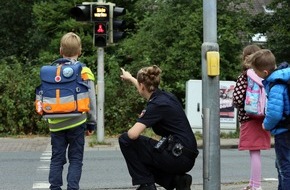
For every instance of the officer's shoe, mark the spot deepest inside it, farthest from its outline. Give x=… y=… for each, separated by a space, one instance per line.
x=183 y=182
x=147 y=186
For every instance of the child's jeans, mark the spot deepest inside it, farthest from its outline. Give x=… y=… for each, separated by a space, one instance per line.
x=73 y=140
x=282 y=148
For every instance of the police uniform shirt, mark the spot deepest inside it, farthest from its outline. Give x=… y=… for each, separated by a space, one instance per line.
x=165 y=115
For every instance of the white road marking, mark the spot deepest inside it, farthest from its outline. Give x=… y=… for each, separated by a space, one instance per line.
x=270 y=179
x=40 y=185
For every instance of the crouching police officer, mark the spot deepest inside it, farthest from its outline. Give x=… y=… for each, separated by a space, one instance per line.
x=166 y=161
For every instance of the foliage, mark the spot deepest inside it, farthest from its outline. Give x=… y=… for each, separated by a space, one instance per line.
x=122 y=103
x=168 y=33
x=276 y=27
x=17 y=83
x=15 y=22
x=233 y=35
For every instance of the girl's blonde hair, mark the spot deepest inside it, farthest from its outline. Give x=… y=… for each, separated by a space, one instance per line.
x=150 y=77
x=262 y=60
x=248 y=50
x=70 y=45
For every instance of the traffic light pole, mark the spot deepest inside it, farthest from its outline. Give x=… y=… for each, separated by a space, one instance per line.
x=210 y=98
x=101 y=95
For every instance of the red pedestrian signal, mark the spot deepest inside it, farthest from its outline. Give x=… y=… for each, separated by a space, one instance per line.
x=100 y=29
x=101 y=17
x=100 y=36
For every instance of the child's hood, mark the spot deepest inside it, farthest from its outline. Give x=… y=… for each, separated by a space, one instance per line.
x=280 y=74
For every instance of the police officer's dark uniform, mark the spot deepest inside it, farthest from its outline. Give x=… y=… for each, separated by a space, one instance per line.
x=148 y=164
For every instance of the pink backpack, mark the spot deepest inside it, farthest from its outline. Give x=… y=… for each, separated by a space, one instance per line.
x=255 y=100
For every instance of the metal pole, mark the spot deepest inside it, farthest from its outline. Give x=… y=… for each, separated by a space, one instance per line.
x=101 y=92
x=210 y=102
x=101 y=95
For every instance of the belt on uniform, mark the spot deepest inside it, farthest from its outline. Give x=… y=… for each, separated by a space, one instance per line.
x=178 y=150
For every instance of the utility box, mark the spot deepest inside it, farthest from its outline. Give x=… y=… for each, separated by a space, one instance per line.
x=193 y=105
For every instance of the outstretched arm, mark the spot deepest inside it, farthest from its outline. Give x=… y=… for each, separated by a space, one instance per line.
x=128 y=77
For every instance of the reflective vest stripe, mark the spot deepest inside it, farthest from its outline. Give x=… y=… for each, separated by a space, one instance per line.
x=57 y=125
x=87 y=74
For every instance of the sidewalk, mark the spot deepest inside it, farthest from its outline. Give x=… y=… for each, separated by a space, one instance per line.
x=112 y=143
x=42 y=143
x=9 y=144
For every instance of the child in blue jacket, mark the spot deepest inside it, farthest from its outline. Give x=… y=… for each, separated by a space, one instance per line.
x=278 y=107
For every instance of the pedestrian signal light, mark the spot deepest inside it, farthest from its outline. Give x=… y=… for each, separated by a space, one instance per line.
x=100 y=36
x=100 y=29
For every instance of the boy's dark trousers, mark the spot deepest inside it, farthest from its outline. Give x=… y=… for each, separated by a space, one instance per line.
x=282 y=148
x=147 y=165
x=72 y=140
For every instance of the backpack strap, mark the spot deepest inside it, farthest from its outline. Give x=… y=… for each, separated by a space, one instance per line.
x=64 y=60
x=251 y=73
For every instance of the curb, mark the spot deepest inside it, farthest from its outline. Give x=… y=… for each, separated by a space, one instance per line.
x=10 y=144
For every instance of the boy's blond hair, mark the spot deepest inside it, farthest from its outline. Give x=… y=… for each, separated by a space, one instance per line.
x=262 y=60
x=70 y=45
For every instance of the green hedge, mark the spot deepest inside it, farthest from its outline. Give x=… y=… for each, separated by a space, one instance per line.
x=17 y=84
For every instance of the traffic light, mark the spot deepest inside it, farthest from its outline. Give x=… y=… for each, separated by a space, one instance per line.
x=101 y=19
x=108 y=29
x=118 y=26
x=81 y=12
x=100 y=34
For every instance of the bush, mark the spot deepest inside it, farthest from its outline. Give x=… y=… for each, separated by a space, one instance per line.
x=17 y=84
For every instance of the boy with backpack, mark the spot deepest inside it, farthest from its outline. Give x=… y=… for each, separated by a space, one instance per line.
x=69 y=112
x=277 y=110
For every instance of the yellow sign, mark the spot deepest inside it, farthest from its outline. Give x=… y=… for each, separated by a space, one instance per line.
x=101 y=12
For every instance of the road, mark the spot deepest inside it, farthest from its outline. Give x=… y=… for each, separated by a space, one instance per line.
x=106 y=169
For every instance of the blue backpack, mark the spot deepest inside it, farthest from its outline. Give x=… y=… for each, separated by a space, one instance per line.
x=255 y=100
x=63 y=92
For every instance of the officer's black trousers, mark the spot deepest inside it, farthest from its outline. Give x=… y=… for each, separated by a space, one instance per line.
x=147 y=165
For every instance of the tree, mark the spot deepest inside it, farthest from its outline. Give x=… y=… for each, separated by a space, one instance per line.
x=276 y=27
x=168 y=33
x=15 y=22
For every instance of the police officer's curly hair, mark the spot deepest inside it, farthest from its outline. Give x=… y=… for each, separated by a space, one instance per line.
x=150 y=77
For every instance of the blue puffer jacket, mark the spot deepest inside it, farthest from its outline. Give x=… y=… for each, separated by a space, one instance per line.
x=278 y=100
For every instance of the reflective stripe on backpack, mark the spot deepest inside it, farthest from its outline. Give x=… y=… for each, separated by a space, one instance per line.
x=62 y=90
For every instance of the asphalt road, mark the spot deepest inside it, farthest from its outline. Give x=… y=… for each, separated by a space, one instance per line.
x=24 y=165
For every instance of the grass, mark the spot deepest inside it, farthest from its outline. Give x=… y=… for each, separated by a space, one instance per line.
x=93 y=141
x=223 y=135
